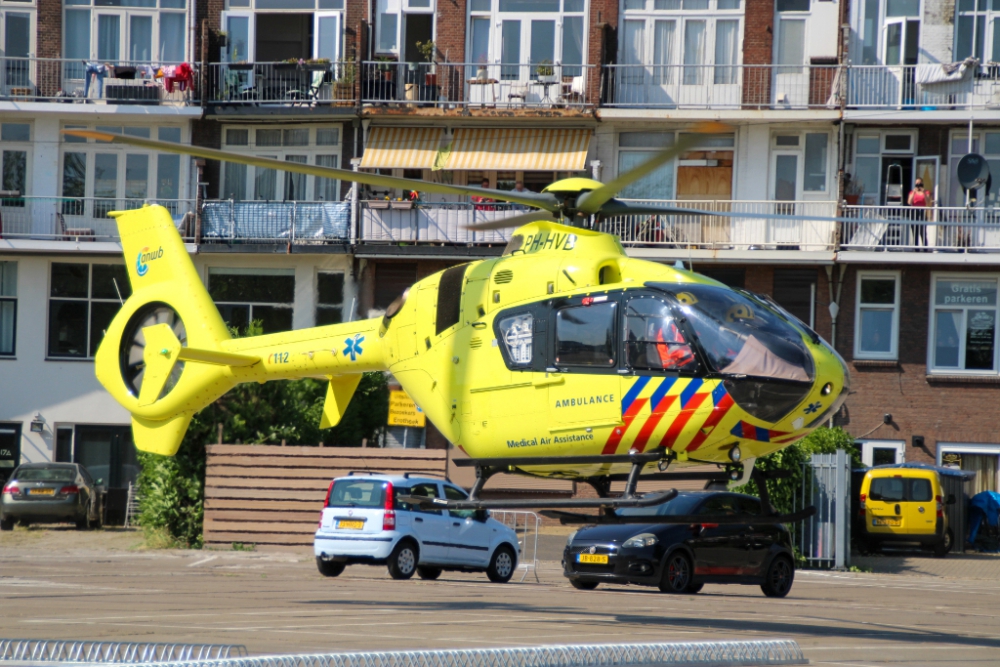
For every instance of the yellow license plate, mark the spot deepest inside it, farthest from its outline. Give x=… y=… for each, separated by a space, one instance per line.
x=592 y=559
x=887 y=522
x=41 y=492
x=351 y=525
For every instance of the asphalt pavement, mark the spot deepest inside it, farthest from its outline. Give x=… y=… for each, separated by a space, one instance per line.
x=276 y=602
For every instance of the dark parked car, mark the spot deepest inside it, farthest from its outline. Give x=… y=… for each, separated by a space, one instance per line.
x=681 y=558
x=50 y=493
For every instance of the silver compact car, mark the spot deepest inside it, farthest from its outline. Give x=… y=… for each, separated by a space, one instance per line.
x=50 y=493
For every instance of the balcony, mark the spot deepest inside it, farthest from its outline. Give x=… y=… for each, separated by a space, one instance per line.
x=299 y=223
x=299 y=84
x=919 y=88
x=721 y=86
x=407 y=222
x=938 y=230
x=80 y=218
x=478 y=86
x=73 y=81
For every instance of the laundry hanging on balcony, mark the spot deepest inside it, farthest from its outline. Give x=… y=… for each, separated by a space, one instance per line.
x=402 y=148
x=508 y=149
x=931 y=73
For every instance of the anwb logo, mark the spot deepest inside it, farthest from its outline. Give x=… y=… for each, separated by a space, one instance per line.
x=145 y=256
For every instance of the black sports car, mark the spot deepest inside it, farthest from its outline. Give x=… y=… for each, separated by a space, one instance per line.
x=681 y=558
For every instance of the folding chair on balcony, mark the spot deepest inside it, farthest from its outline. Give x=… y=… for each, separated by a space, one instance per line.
x=309 y=92
x=518 y=91
x=74 y=233
x=572 y=92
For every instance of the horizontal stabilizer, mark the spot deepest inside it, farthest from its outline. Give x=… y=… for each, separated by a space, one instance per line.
x=160 y=437
x=216 y=358
x=338 y=396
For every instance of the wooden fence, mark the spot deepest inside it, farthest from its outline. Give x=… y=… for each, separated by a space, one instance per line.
x=267 y=494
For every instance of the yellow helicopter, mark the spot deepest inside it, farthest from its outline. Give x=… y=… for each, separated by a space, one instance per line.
x=561 y=358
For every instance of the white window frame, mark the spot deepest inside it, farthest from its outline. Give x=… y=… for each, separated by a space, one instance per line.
x=125 y=14
x=881 y=134
x=680 y=17
x=931 y=337
x=496 y=18
x=23 y=146
x=251 y=16
x=27 y=8
x=89 y=300
x=11 y=299
x=955 y=196
x=858 y=45
x=868 y=448
x=312 y=151
x=893 y=353
x=400 y=8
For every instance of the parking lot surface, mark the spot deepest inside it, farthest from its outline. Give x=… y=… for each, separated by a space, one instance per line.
x=276 y=602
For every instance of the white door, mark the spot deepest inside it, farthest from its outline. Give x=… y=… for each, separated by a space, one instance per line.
x=469 y=537
x=900 y=37
x=109 y=37
x=882 y=452
x=786 y=186
x=431 y=527
x=326 y=36
x=928 y=169
x=16 y=36
x=631 y=82
x=240 y=39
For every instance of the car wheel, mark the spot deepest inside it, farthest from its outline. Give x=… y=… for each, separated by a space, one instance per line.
x=429 y=573
x=501 y=567
x=403 y=560
x=330 y=568
x=82 y=524
x=694 y=589
x=583 y=585
x=779 y=578
x=677 y=573
x=6 y=523
x=942 y=548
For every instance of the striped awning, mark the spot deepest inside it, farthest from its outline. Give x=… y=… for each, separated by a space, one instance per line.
x=401 y=148
x=506 y=149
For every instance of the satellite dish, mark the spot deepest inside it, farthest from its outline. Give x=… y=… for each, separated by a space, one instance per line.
x=973 y=171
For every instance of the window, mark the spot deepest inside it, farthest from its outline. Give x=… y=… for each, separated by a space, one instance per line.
x=15 y=139
x=303 y=144
x=516 y=333
x=247 y=295
x=791 y=45
x=401 y=24
x=800 y=164
x=17 y=36
x=986 y=144
x=585 y=335
x=795 y=291
x=8 y=308
x=451 y=493
x=527 y=36
x=876 y=322
x=83 y=299
x=357 y=493
x=134 y=31
x=653 y=338
x=874 y=152
x=963 y=325
x=634 y=148
x=330 y=298
x=426 y=490
x=882 y=452
x=885 y=34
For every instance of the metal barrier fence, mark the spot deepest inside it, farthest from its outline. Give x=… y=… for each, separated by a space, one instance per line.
x=289 y=221
x=488 y=85
x=526 y=525
x=114 y=82
x=722 y=86
x=81 y=218
x=289 y=83
x=942 y=229
x=40 y=650
x=825 y=538
x=923 y=87
x=443 y=222
x=717 y=654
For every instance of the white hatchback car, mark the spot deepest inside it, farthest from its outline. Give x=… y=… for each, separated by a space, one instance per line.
x=363 y=521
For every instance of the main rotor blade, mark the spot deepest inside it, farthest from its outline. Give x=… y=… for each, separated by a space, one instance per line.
x=591 y=202
x=514 y=221
x=545 y=201
x=620 y=209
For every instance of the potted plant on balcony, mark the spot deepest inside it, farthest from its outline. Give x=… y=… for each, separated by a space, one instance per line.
x=545 y=71
x=289 y=64
x=317 y=64
x=343 y=86
x=852 y=191
x=427 y=51
x=385 y=67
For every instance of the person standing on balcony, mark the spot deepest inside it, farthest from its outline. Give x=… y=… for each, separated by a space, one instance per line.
x=919 y=198
x=480 y=203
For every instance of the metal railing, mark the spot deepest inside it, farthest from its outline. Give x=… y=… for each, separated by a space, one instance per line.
x=501 y=86
x=824 y=540
x=81 y=218
x=728 y=233
x=115 y=82
x=722 y=86
x=445 y=222
x=525 y=525
x=285 y=83
x=938 y=229
x=922 y=87
x=41 y=650
x=266 y=222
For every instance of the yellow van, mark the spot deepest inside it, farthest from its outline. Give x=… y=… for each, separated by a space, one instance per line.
x=904 y=505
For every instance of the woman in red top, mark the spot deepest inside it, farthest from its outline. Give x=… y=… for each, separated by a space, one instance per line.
x=919 y=198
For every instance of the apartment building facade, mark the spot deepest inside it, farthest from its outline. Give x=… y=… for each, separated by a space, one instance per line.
x=825 y=120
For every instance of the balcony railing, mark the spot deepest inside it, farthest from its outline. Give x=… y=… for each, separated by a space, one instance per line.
x=920 y=88
x=283 y=83
x=123 y=82
x=488 y=86
x=937 y=229
x=722 y=86
x=408 y=222
x=80 y=218
x=225 y=221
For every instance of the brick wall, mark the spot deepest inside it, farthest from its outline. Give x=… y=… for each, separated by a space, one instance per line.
x=450 y=30
x=602 y=44
x=758 y=44
x=49 y=29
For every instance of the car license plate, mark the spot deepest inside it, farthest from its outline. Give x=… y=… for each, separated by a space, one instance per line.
x=41 y=492
x=592 y=559
x=887 y=522
x=350 y=524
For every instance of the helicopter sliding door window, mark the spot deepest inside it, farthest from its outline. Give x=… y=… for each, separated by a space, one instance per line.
x=517 y=334
x=248 y=295
x=8 y=308
x=876 y=319
x=83 y=299
x=653 y=339
x=963 y=325
x=585 y=334
x=449 y=298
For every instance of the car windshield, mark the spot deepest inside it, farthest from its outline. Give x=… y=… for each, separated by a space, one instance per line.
x=53 y=474
x=743 y=336
x=676 y=507
x=357 y=493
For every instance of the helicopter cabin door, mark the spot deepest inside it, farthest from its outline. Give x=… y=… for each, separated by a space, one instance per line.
x=586 y=357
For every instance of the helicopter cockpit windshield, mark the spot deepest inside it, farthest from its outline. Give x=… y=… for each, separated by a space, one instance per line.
x=742 y=336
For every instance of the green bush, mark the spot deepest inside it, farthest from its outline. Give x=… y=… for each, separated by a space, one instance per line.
x=783 y=492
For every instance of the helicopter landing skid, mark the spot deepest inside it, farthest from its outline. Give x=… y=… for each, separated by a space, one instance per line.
x=607 y=504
